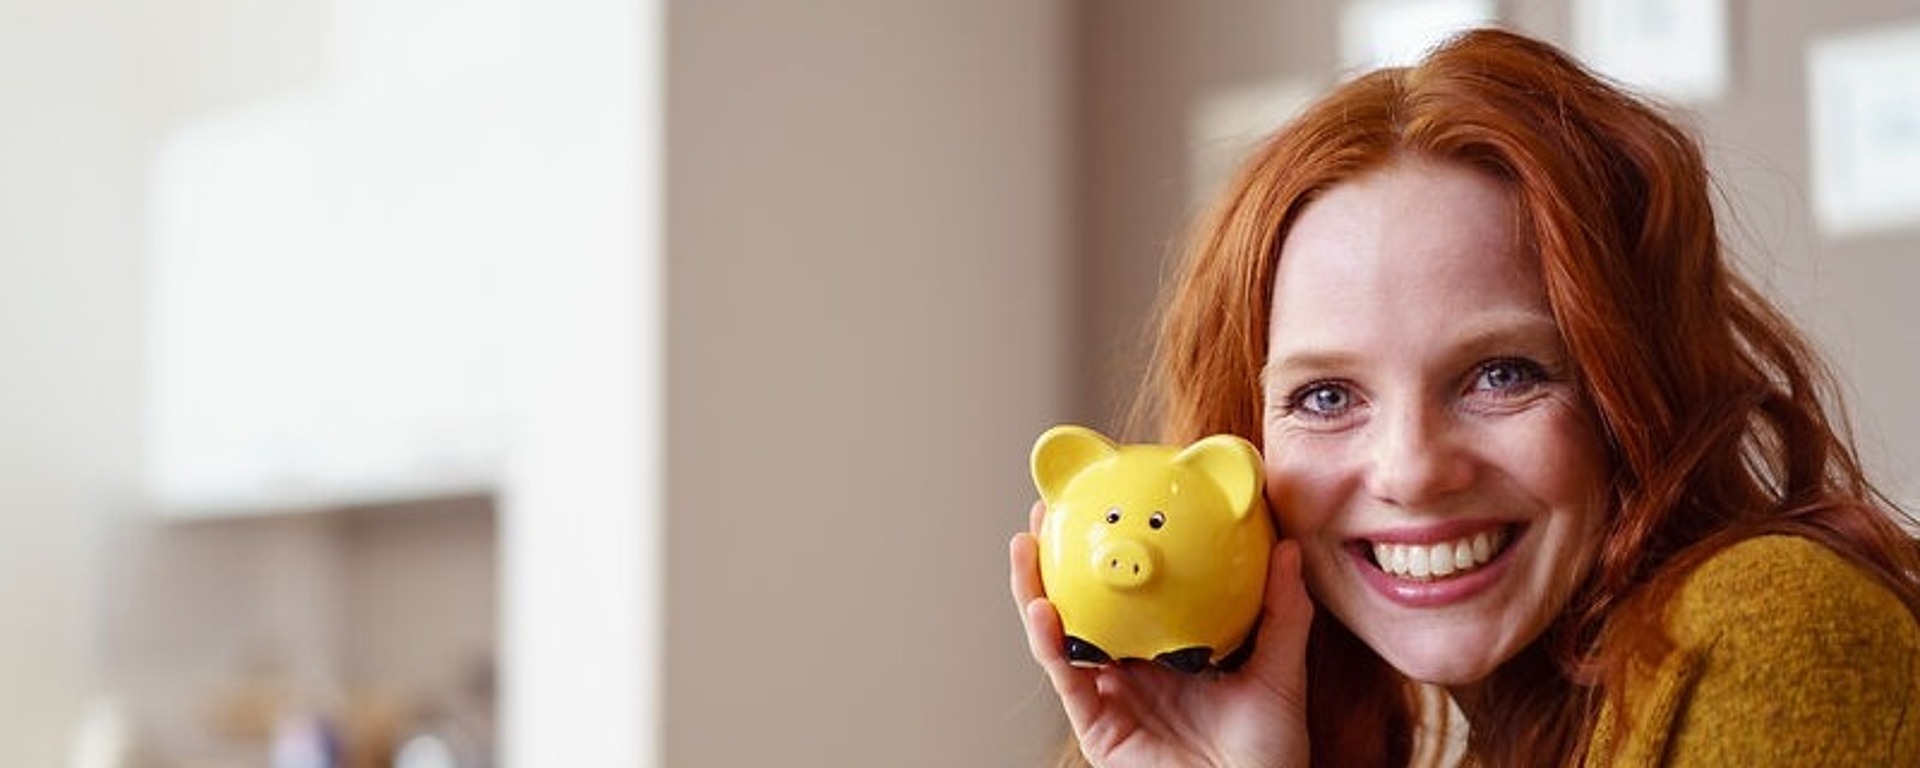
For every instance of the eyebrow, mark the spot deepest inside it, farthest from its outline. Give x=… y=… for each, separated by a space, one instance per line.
x=1484 y=334
x=1308 y=361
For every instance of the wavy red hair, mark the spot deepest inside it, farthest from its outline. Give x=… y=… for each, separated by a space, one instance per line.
x=1721 y=422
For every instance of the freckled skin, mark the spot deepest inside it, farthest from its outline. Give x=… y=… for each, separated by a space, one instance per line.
x=1417 y=390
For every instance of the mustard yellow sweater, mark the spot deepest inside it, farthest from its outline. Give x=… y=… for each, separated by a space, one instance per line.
x=1787 y=655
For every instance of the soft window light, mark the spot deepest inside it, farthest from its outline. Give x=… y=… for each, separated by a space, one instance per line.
x=435 y=270
x=1396 y=33
x=330 y=306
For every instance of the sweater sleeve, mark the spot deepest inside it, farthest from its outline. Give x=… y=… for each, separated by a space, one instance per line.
x=1790 y=656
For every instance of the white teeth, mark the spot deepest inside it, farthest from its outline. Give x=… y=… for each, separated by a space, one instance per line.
x=1424 y=562
x=1441 y=559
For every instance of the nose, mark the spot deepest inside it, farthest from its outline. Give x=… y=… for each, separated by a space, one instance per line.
x=1124 y=563
x=1419 y=455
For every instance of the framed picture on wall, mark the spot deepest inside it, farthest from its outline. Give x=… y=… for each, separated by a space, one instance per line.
x=1863 y=99
x=1388 y=33
x=1674 y=50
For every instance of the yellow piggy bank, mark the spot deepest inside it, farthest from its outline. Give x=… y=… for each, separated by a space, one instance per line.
x=1152 y=551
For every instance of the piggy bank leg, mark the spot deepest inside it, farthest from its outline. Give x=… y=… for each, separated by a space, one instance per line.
x=1081 y=653
x=1233 y=661
x=1188 y=660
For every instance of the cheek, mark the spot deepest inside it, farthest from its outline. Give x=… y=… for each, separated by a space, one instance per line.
x=1569 y=465
x=1301 y=494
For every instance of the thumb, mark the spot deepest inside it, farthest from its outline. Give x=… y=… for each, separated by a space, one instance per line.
x=1286 y=586
x=1280 y=652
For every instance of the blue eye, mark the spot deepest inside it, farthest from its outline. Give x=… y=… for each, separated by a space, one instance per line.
x=1321 y=400
x=1508 y=375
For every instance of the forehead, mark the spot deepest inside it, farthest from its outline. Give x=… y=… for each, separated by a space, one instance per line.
x=1417 y=240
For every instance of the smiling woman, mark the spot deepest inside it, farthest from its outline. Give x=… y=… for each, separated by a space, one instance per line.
x=1538 y=455
x=1417 y=403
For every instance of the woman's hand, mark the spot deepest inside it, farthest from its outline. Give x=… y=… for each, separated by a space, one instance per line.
x=1145 y=714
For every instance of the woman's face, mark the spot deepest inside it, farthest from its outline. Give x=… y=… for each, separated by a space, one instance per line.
x=1425 y=441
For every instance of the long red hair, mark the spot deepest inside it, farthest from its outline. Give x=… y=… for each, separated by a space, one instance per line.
x=1716 y=410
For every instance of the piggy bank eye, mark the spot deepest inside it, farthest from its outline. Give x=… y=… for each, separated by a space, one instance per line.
x=1113 y=516
x=1158 y=519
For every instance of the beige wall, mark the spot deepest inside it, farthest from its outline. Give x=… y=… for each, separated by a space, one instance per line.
x=1143 y=67
x=1856 y=294
x=866 y=244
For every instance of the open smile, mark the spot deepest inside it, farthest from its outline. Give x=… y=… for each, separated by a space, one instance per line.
x=1434 y=568
x=1441 y=559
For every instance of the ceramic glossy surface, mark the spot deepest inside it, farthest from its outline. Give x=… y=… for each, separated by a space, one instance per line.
x=1152 y=551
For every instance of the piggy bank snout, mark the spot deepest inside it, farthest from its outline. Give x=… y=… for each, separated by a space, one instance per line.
x=1124 y=563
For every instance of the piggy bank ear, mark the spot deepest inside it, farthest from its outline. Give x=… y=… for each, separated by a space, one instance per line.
x=1061 y=453
x=1231 y=462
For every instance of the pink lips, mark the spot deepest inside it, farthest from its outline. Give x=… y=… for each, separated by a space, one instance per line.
x=1430 y=593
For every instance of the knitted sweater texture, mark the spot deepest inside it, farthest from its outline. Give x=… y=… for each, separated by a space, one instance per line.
x=1786 y=655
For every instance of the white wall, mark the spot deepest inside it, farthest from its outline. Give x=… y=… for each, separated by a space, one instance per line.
x=68 y=387
x=867 y=234
x=82 y=87
x=99 y=596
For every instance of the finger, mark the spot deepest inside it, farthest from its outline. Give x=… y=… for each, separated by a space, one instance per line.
x=1046 y=638
x=1023 y=569
x=1035 y=515
x=1279 y=654
x=1286 y=582
x=1037 y=616
x=1077 y=688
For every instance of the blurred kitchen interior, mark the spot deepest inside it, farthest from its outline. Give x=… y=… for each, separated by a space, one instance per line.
x=612 y=382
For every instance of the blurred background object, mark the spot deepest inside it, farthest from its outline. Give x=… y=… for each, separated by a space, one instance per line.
x=609 y=382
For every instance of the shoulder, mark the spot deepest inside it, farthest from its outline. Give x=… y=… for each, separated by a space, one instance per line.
x=1765 y=585
x=1792 y=655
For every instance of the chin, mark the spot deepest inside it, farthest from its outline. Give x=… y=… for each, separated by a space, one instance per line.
x=1448 y=665
x=1452 y=677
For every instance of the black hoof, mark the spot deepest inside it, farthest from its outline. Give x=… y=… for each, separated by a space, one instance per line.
x=1081 y=653
x=1189 y=660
